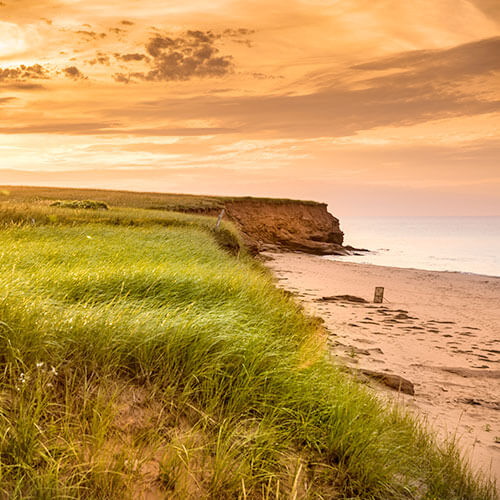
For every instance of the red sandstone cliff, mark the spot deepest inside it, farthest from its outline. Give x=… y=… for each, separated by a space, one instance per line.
x=291 y=225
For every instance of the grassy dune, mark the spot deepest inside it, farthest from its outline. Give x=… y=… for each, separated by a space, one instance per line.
x=137 y=356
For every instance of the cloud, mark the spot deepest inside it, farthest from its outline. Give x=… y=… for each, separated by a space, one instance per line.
x=100 y=58
x=90 y=35
x=23 y=73
x=240 y=35
x=127 y=23
x=23 y=86
x=121 y=78
x=132 y=57
x=102 y=128
x=469 y=59
x=117 y=31
x=490 y=7
x=4 y=100
x=421 y=86
x=194 y=54
x=74 y=73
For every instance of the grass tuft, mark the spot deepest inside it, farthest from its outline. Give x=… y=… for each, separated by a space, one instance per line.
x=81 y=204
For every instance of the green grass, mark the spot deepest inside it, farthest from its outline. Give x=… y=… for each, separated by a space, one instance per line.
x=137 y=355
x=19 y=214
x=80 y=204
x=158 y=201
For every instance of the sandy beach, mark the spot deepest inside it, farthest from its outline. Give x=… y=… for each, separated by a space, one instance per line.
x=439 y=330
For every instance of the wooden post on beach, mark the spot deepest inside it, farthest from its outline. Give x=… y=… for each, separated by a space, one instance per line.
x=378 y=298
x=219 y=219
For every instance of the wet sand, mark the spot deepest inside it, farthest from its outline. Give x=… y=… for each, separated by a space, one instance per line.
x=439 y=330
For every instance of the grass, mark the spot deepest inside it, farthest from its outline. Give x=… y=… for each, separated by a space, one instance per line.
x=36 y=214
x=138 y=357
x=80 y=204
x=158 y=201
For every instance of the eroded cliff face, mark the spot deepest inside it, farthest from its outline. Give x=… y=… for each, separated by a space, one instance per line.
x=293 y=225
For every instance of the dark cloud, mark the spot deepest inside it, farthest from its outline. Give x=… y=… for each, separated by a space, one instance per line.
x=192 y=55
x=417 y=90
x=117 y=31
x=23 y=73
x=90 y=35
x=132 y=57
x=263 y=76
x=127 y=23
x=4 y=100
x=329 y=112
x=101 y=58
x=23 y=86
x=78 y=128
x=102 y=128
x=74 y=73
x=490 y=7
x=121 y=78
x=469 y=59
x=240 y=35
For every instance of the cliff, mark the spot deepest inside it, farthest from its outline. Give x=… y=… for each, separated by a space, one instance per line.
x=265 y=223
x=287 y=224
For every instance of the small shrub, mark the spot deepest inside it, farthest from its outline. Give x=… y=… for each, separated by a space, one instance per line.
x=80 y=204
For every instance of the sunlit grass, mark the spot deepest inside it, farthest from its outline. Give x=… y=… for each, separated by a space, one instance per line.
x=136 y=355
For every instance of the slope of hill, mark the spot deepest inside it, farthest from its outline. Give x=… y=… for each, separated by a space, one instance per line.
x=263 y=222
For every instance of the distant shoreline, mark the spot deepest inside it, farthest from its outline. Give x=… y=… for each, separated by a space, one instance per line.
x=344 y=258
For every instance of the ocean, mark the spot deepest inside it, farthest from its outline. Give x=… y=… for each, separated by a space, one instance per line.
x=463 y=244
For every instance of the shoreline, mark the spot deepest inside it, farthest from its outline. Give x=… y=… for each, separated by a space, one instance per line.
x=340 y=258
x=437 y=329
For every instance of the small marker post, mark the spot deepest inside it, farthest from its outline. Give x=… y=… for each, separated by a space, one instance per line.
x=219 y=219
x=378 y=298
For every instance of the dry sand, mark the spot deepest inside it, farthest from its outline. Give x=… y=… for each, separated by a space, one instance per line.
x=440 y=330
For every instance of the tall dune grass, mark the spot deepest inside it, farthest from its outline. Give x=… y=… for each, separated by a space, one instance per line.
x=147 y=359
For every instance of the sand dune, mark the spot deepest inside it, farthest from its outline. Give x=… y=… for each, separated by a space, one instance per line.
x=438 y=330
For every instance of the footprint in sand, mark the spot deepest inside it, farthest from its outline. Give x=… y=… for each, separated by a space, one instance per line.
x=494 y=351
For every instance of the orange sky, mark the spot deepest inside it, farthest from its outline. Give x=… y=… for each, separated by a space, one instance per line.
x=374 y=106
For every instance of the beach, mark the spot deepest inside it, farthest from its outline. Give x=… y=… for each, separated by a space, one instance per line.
x=438 y=330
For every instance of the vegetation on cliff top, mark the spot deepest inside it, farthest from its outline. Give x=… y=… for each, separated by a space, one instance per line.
x=158 y=201
x=138 y=357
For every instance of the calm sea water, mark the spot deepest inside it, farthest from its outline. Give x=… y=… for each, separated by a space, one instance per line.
x=464 y=244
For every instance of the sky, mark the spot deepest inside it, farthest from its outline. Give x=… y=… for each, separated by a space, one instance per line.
x=377 y=107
